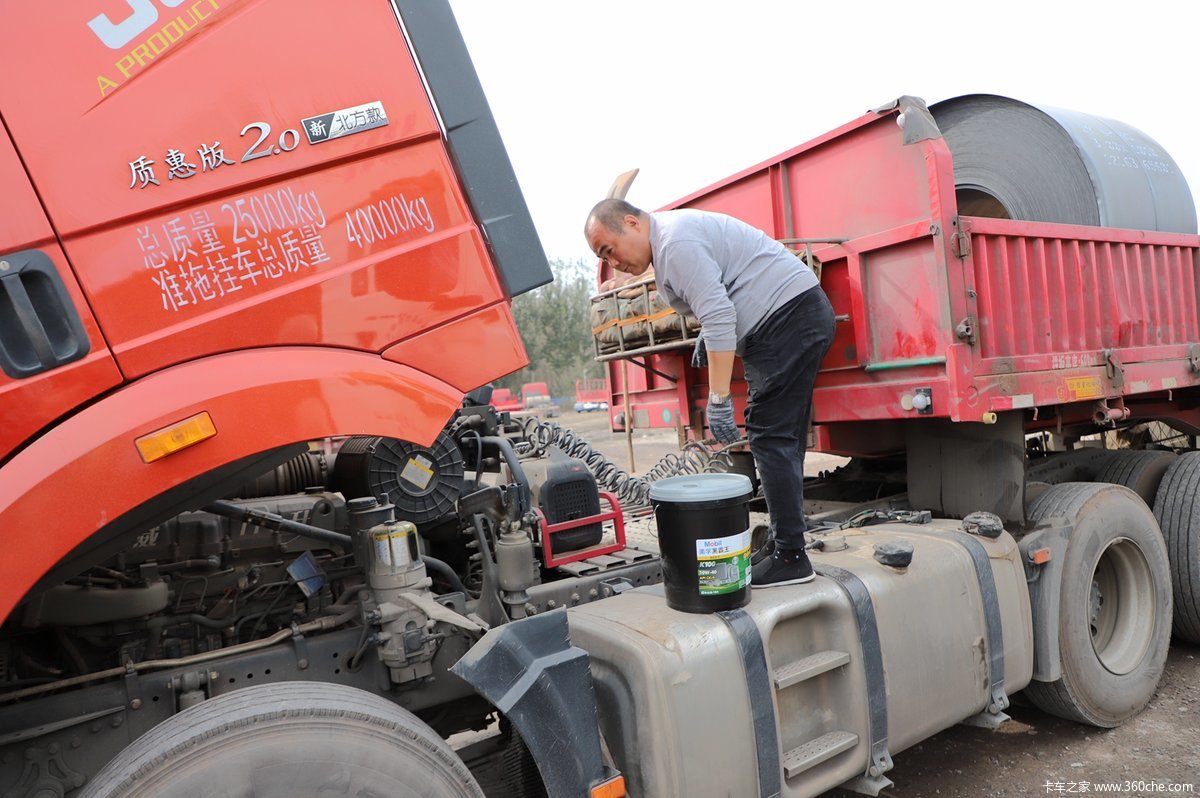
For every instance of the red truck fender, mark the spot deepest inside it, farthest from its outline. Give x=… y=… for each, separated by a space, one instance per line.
x=86 y=472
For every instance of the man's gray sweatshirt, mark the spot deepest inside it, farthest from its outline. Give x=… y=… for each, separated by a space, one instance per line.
x=728 y=274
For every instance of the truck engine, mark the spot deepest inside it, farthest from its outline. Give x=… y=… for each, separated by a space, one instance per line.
x=366 y=561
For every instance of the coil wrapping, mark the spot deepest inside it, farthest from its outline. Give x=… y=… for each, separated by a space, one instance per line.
x=630 y=490
x=1037 y=163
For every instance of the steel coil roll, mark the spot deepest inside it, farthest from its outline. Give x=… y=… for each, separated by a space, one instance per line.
x=1036 y=163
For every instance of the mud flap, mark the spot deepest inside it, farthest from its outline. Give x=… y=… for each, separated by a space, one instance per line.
x=1045 y=595
x=530 y=671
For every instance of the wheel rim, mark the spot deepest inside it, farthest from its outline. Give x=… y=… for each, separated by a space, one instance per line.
x=1121 y=607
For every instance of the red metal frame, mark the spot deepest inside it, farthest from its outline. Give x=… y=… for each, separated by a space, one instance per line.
x=550 y=530
x=987 y=315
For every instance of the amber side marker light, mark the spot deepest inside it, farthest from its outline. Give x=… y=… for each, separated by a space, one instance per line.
x=180 y=435
x=613 y=788
x=1039 y=556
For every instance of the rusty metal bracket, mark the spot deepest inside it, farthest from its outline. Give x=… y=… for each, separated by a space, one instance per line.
x=1109 y=414
x=1114 y=369
x=301 y=647
x=965 y=331
x=960 y=244
x=1193 y=357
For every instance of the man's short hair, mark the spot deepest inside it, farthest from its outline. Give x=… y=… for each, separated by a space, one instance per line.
x=611 y=213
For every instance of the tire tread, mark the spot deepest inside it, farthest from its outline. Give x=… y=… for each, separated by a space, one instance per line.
x=1140 y=470
x=237 y=710
x=1177 y=508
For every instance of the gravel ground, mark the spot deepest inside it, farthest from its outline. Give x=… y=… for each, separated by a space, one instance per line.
x=1156 y=753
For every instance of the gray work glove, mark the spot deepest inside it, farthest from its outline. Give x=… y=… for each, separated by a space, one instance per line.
x=720 y=421
x=700 y=353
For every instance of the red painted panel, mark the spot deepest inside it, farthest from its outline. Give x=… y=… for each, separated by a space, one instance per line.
x=1067 y=293
x=492 y=328
x=225 y=64
x=30 y=403
x=835 y=281
x=906 y=301
x=357 y=241
x=854 y=181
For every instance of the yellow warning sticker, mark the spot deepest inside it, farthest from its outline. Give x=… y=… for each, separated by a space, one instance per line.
x=1084 y=388
x=418 y=472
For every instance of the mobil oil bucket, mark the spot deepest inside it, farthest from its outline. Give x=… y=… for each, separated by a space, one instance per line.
x=704 y=534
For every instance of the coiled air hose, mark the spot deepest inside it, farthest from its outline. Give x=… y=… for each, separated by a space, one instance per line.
x=631 y=491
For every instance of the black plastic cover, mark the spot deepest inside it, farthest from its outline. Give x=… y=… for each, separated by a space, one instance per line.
x=983 y=523
x=896 y=554
x=39 y=327
x=474 y=142
x=530 y=671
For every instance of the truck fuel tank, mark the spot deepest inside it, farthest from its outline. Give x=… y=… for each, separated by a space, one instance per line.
x=810 y=686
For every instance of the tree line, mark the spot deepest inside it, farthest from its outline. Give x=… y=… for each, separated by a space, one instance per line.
x=555 y=325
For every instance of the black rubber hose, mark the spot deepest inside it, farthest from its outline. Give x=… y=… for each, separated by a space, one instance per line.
x=446 y=572
x=514 y=463
x=276 y=522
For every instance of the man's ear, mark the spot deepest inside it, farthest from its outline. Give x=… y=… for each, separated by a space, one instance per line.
x=632 y=220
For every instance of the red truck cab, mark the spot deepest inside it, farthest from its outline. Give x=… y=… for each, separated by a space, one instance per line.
x=504 y=400
x=199 y=274
x=535 y=397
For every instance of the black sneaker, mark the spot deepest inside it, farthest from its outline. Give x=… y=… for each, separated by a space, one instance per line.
x=779 y=570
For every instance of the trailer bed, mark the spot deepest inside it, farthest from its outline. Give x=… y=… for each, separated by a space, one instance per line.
x=942 y=316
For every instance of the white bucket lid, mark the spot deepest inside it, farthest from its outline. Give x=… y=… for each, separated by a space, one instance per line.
x=700 y=488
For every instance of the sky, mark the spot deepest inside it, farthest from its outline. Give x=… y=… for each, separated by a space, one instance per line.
x=692 y=92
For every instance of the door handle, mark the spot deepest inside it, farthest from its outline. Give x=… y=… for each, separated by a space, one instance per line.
x=39 y=327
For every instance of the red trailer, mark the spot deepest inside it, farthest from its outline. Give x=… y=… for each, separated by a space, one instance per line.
x=591 y=394
x=958 y=336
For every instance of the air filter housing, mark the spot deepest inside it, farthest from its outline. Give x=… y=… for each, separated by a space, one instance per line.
x=423 y=482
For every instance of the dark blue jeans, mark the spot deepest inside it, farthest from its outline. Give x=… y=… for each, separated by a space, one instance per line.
x=781 y=359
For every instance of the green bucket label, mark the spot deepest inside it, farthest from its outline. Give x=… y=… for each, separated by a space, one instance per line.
x=723 y=564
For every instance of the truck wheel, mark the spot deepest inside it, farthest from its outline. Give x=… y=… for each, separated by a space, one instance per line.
x=1140 y=471
x=1114 y=621
x=288 y=739
x=1033 y=490
x=1177 y=507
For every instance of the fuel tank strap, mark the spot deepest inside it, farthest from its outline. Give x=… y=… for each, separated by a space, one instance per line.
x=868 y=636
x=991 y=614
x=758 y=682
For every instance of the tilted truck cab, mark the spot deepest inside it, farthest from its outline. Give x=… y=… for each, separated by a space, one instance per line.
x=177 y=230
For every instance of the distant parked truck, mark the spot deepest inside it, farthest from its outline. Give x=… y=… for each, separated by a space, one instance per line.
x=503 y=399
x=591 y=394
x=535 y=396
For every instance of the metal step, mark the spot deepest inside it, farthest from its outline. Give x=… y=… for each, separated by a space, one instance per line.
x=814 y=752
x=594 y=565
x=631 y=555
x=810 y=666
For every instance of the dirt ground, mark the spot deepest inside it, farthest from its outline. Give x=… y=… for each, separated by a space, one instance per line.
x=1156 y=753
